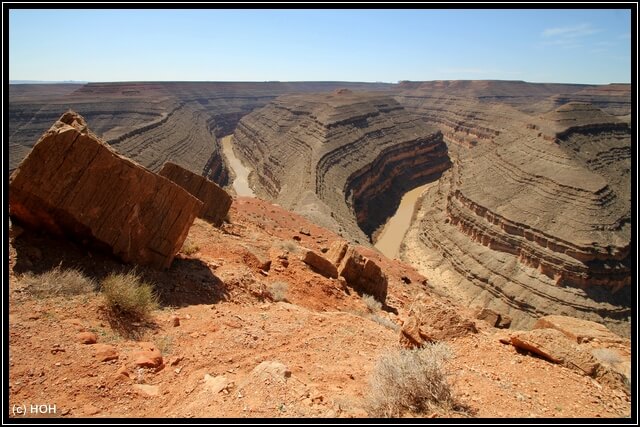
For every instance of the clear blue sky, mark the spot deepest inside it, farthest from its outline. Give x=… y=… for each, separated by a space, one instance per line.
x=564 y=46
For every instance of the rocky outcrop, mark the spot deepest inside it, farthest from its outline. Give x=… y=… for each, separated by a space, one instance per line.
x=430 y=320
x=350 y=155
x=579 y=330
x=72 y=183
x=216 y=201
x=361 y=273
x=573 y=343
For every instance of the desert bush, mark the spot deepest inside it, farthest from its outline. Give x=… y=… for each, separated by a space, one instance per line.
x=278 y=291
x=290 y=246
x=58 y=282
x=607 y=356
x=384 y=322
x=372 y=304
x=127 y=296
x=189 y=247
x=410 y=381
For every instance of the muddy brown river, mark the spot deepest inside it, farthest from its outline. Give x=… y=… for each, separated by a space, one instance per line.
x=241 y=183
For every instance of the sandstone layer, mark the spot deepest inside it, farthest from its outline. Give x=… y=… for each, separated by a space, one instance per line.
x=72 y=183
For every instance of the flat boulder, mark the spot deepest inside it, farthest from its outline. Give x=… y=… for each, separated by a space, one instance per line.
x=554 y=346
x=320 y=264
x=74 y=184
x=216 y=201
x=579 y=330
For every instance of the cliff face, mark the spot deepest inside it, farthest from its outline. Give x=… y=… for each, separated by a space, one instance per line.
x=534 y=217
x=343 y=159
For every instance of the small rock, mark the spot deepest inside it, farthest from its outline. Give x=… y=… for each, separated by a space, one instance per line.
x=89 y=409
x=105 y=352
x=176 y=360
x=175 y=321
x=297 y=238
x=123 y=371
x=305 y=231
x=215 y=384
x=87 y=338
x=148 y=357
x=406 y=279
x=146 y=389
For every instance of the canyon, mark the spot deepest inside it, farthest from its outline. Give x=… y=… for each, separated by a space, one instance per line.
x=528 y=208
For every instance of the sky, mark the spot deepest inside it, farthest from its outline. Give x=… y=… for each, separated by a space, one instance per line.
x=560 y=46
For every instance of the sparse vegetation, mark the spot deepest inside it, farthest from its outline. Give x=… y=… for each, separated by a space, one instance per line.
x=607 y=356
x=290 y=246
x=411 y=381
x=384 y=322
x=58 y=282
x=165 y=344
x=127 y=296
x=278 y=291
x=189 y=247
x=372 y=304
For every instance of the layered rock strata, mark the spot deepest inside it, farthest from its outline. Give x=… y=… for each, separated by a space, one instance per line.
x=216 y=201
x=73 y=183
x=344 y=160
x=536 y=219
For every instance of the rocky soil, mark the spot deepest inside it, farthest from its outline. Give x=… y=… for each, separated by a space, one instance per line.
x=220 y=346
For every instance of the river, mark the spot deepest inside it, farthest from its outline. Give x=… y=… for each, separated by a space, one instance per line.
x=394 y=230
x=241 y=183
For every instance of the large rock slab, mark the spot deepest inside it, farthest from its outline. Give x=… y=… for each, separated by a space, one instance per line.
x=579 y=330
x=73 y=183
x=320 y=264
x=360 y=272
x=554 y=346
x=216 y=201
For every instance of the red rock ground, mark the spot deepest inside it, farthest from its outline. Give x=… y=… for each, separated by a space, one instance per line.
x=228 y=325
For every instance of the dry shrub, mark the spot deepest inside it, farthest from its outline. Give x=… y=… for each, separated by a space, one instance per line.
x=58 y=282
x=189 y=247
x=127 y=296
x=411 y=381
x=372 y=304
x=278 y=291
x=384 y=322
x=606 y=356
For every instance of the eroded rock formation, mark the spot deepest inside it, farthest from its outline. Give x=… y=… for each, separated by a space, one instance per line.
x=73 y=183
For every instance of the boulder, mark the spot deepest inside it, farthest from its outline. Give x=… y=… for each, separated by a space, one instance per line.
x=216 y=201
x=579 y=330
x=320 y=264
x=73 y=183
x=555 y=347
x=360 y=272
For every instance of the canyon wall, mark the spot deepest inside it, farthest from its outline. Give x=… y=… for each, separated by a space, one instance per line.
x=343 y=160
x=534 y=216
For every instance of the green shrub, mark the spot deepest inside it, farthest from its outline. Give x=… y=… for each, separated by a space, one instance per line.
x=127 y=296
